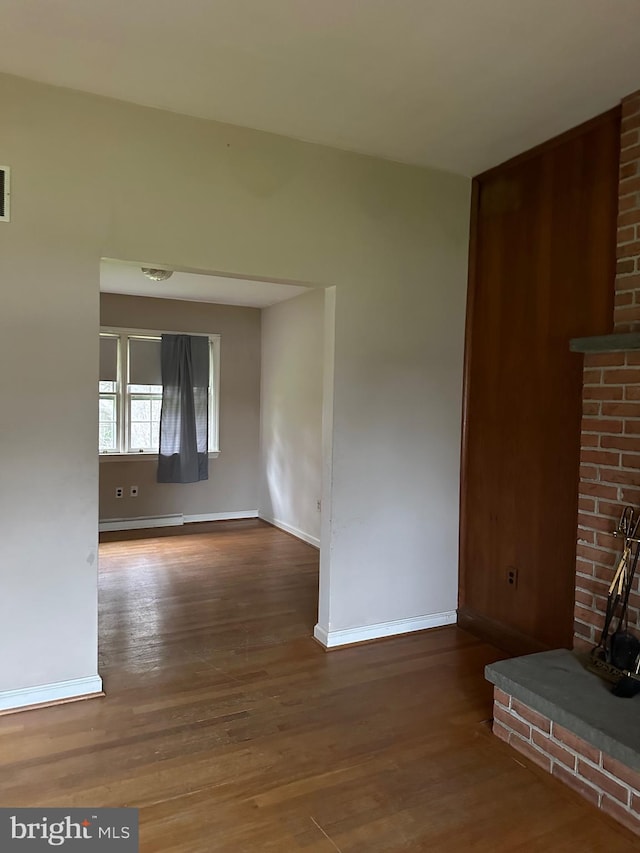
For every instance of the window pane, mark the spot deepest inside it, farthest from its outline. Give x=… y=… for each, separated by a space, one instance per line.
x=107 y=387
x=107 y=437
x=156 y=408
x=144 y=360
x=141 y=436
x=155 y=435
x=107 y=409
x=108 y=358
x=141 y=410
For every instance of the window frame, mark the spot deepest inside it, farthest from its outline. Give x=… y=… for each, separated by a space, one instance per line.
x=130 y=397
x=110 y=395
x=123 y=396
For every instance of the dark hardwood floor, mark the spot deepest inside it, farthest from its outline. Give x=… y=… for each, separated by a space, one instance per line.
x=234 y=731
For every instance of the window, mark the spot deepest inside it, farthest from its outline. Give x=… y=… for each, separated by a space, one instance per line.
x=130 y=392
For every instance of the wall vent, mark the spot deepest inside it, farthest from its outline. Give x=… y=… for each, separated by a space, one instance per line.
x=5 y=193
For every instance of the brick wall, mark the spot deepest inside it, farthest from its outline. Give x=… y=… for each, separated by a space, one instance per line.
x=627 y=305
x=609 y=478
x=605 y=782
x=610 y=455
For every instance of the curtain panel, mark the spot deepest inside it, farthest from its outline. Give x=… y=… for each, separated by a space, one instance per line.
x=184 y=420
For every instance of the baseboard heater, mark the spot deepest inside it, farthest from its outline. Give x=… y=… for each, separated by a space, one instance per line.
x=141 y=522
x=175 y=520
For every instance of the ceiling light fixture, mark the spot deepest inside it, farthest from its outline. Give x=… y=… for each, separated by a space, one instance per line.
x=157 y=275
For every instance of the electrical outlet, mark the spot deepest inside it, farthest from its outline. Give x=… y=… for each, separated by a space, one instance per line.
x=512 y=576
x=319 y=506
x=119 y=492
x=133 y=491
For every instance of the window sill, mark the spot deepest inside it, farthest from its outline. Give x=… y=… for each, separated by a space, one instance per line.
x=140 y=457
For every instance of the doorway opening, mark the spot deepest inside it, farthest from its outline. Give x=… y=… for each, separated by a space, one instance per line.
x=269 y=461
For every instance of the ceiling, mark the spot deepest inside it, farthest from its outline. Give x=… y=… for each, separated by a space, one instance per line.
x=455 y=84
x=118 y=277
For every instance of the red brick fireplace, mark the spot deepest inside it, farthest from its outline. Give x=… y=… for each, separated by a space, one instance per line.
x=547 y=706
x=610 y=454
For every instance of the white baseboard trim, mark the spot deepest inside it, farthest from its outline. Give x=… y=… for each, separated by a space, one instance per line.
x=322 y=636
x=48 y=694
x=288 y=528
x=142 y=522
x=349 y=636
x=221 y=516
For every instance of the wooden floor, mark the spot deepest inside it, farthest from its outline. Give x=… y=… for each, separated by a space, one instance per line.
x=233 y=731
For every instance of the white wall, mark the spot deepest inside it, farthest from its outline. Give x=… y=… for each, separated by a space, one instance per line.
x=97 y=178
x=291 y=414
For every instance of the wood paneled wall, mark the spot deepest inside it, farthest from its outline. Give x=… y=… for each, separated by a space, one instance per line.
x=542 y=267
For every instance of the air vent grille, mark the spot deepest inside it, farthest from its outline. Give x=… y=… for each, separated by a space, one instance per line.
x=4 y=193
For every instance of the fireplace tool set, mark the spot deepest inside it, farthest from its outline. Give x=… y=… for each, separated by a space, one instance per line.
x=617 y=655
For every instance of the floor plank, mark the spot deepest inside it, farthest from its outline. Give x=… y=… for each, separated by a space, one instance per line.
x=232 y=730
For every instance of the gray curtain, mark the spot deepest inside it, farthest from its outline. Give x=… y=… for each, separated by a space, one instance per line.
x=184 y=421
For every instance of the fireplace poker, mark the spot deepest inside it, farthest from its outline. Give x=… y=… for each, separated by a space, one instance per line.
x=628 y=528
x=613 y=598
x=624 y=646
x=622 y=650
